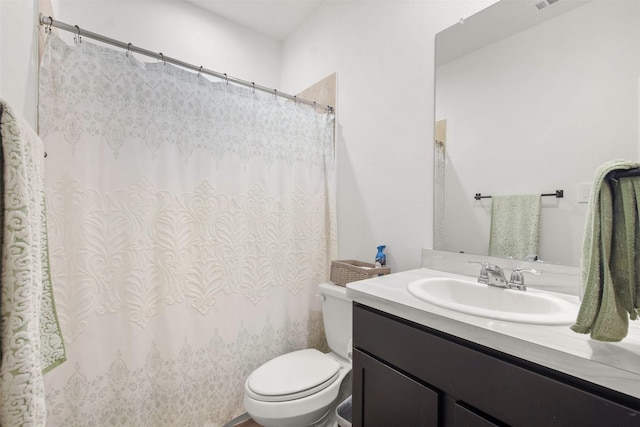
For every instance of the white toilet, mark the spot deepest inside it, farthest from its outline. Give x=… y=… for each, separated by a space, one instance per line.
x=303 y=388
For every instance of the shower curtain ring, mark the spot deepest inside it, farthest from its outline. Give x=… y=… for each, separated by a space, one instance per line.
x=162 y=59
x=226 y=78
x=200 y=71
x=129 y=53
x=254 y=87
x=47 y=29
x=77 y=38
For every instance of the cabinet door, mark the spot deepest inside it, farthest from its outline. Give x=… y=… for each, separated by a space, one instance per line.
x=385 y=397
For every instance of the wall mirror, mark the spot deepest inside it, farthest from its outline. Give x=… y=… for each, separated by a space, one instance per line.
x=531 y=97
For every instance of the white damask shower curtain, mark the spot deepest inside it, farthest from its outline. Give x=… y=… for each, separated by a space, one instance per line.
x=190 y=222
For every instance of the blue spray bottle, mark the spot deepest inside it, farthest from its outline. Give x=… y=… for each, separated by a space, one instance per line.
x=381 y=258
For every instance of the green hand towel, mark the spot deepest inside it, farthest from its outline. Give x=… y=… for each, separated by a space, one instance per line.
x=515 y=222
x=625 y=243
x=608 y=271
x=30 y=336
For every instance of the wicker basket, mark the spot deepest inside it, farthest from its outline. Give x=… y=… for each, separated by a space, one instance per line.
x=347 y=271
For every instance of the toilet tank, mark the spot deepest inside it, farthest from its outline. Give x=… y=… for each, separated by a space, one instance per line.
x=337 y=315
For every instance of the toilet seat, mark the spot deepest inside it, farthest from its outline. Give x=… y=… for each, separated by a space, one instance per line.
x=292 y=376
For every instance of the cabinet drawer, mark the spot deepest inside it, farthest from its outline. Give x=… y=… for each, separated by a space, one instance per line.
x=509 y=389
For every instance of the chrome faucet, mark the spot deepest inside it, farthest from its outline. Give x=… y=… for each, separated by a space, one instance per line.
x=493 y=275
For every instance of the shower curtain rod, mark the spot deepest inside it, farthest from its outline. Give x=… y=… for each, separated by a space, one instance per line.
x=50 y=22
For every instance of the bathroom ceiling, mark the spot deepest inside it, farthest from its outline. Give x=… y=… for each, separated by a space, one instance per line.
x=274 y=18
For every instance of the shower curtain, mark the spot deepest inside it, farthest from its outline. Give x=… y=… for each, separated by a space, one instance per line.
x=190 y=222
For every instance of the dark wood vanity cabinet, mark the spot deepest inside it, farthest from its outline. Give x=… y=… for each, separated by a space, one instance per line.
x=408 y=375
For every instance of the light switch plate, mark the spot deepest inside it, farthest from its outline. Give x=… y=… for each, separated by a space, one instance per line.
x=583 y=192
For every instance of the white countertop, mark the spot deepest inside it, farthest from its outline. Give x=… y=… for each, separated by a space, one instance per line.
x=612 y=365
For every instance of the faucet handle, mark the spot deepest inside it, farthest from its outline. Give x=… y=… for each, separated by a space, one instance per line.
x=517 y=278
x=484 y=276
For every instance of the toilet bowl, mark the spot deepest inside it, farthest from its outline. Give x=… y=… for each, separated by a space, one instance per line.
x=303 y=388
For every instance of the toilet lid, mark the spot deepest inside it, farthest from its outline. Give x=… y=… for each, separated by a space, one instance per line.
x=293 y=376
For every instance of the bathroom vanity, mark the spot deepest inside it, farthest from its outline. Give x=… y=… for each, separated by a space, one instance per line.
x=417 y=364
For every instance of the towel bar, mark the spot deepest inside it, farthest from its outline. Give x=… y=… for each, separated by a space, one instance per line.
x=557 y=194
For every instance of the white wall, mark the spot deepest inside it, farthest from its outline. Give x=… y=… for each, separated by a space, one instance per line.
x=179 y=30
x=383 y=54
x=540 y=111
x=18 y=56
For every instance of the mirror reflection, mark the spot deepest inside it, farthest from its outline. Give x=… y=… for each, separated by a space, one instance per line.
x=530 y=100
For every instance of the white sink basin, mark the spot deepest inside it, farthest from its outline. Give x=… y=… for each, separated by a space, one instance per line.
x=467 y=296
